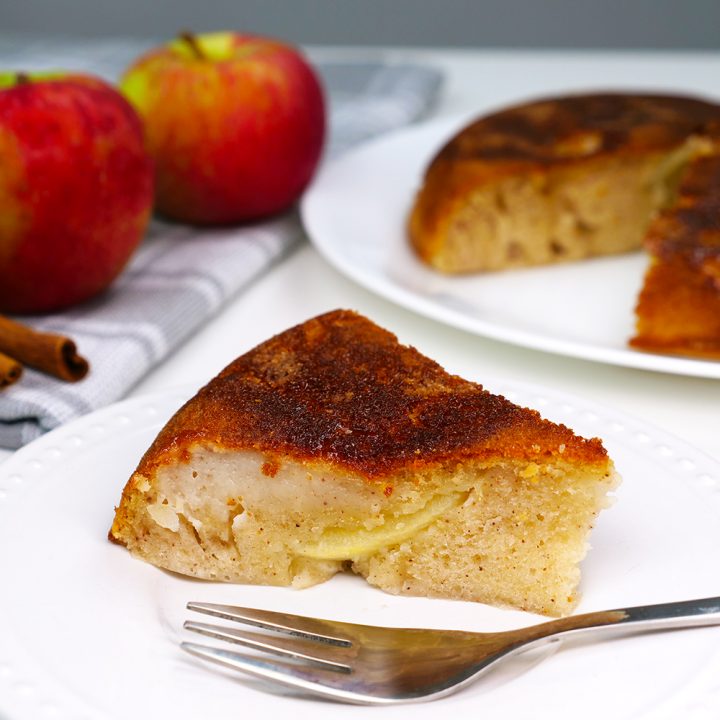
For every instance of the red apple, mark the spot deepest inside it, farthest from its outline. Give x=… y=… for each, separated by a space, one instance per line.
x=75 y=189
x=235 y=124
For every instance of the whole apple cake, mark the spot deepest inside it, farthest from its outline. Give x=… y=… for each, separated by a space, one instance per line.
x=579 y=176
x=331 y=446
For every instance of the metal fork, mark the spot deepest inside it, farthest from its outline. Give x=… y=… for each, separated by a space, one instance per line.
x=370 y=665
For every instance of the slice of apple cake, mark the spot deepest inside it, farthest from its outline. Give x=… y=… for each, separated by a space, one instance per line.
x=331 y=446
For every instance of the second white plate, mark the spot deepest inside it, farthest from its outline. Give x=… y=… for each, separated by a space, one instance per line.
x=355 y=214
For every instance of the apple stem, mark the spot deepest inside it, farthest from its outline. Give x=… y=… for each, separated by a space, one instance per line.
x=22 y=78
x=193 y=43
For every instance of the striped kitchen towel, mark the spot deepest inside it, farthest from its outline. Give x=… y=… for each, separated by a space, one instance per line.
x=181 y=275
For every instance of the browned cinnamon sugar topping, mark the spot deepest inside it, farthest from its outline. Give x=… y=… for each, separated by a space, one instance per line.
x=561 y=129
x=341 y=389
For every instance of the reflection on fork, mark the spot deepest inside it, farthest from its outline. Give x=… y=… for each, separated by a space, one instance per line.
x=365 y=664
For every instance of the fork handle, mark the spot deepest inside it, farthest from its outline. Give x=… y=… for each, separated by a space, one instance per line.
x=664 y=616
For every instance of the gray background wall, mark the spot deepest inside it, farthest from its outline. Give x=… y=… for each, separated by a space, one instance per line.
x=662 y=24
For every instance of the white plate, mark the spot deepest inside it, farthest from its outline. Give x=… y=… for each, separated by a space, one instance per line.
x=86 y=631
x=355 y=214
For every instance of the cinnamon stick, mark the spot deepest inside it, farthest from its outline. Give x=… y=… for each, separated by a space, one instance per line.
x=52 y=354
x=10 y=371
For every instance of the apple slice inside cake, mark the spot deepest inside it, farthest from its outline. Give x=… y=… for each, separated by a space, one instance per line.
x=332 y=446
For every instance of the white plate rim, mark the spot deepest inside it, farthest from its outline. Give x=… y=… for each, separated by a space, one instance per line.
x=32 y=461
x=428 y=135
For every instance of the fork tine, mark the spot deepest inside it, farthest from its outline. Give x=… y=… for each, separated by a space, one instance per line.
x=330 y=685
x=323 y=631
x=279 y=645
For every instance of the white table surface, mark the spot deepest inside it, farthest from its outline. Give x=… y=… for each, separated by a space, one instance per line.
x=304 y=285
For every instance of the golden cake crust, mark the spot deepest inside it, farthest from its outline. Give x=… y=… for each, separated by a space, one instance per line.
x=340 y=390
x=570 y=131
x=564 y=129
x=678 y=310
